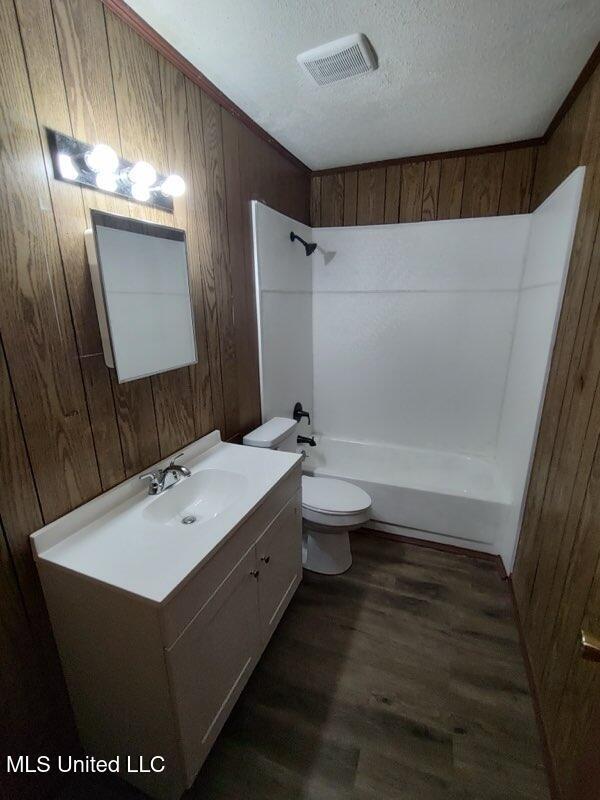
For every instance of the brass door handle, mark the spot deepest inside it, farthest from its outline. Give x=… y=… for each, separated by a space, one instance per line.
x=590 y=646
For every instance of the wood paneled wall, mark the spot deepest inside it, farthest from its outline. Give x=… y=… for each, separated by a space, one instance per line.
x=68 y=430
x=449 y=188
x=557 y=573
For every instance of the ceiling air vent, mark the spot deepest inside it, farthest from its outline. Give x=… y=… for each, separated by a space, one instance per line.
x=343 y=58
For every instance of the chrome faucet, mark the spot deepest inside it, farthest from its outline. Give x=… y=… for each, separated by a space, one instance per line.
x=163 y=479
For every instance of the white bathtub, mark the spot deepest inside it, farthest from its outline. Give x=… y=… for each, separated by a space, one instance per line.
x=434 y=495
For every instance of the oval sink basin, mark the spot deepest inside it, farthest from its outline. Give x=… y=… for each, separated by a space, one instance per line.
x=197 y=499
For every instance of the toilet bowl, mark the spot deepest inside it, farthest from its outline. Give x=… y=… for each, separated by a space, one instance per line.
x=330 y=507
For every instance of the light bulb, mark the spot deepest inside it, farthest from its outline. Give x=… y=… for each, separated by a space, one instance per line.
x=66 y=167
x=142 y=173
x=173 y=186
x=107 y=181
x=140 y=192
x=102 y=158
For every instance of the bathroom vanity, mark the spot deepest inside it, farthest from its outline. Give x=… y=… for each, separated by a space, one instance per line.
x=160 y=620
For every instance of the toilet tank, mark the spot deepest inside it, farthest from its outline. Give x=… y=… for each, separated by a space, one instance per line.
x=278 y=433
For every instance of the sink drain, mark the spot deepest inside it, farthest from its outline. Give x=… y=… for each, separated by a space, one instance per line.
x=189 y=519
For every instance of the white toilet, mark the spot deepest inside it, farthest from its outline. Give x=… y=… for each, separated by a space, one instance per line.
x=330 y=507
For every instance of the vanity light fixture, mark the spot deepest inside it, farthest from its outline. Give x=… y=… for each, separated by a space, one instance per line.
x=142 y=173
x=98 y=166
x=173 y=186
x=140 y=192
x=66 y=167
x=106 y=181
x=102 y=158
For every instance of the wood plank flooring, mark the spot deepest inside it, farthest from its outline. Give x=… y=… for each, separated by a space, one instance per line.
x=402 y=678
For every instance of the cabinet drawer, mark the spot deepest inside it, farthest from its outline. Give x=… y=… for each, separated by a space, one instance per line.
x=180 y=610
x=210 y=663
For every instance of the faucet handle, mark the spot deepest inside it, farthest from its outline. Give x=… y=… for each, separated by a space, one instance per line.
x=299 y=412
x=174 y=459
x=151 y=476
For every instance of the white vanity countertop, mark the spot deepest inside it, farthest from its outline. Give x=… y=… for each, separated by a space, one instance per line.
x=113 y=539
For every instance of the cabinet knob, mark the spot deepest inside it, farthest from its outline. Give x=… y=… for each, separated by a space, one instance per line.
x=254 y=572
x=266 y=559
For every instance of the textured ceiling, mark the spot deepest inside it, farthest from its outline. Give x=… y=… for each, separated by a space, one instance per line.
x=452 y=73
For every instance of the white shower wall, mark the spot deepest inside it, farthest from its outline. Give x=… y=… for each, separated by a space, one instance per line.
x=412 y=331
x=283 y=279
x=546 y=264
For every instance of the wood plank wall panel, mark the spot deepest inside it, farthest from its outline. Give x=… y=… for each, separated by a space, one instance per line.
x=205 y=267
x=203 y=374
x=236 y=213
x=315 y=202
x=174 y=107
x=411 y=194
x=371 y=197
x=430 y=189
x=217 y=220
x=393 y=180
x=517 y=181
x=252 y=187
x=452 y=181
x=557 y=571
x=482 y=185
x=19 y=509
x=350 y=197
x=332 y=200
x=68 y=430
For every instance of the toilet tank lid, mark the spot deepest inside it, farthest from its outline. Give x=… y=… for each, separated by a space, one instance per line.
x=271 y=433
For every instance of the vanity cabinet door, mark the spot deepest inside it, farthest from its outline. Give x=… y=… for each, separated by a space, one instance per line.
x=212 y=659
x=279 y=558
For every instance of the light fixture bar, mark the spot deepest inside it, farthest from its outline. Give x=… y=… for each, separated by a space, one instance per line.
x=99 y=167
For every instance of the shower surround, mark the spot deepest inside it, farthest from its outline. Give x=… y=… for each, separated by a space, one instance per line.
x=422 y=350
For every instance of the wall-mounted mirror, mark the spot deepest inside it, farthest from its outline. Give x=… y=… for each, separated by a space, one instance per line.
x=140 y=277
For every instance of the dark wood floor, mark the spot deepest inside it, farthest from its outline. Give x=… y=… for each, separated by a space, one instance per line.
x=401 y=679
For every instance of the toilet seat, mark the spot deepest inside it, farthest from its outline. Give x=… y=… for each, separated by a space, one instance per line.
x=334 y=503
x=330 y=509
x=332 y=496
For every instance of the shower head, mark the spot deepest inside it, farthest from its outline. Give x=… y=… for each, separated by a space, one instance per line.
x=309 y=247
